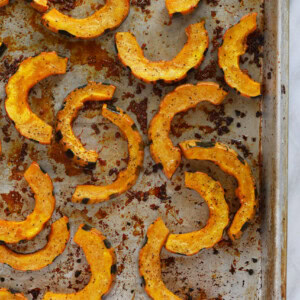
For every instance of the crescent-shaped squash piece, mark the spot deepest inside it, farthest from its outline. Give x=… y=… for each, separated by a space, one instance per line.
x=234 y=45
x=109 y=17
x=30 y=72
x=213 y=193
x=233 y=164
x=3 y=47
x=181 y=6
x=40 y=5
x=181 y=99
x=11 y=295
x=127 y=178
x=65 y=117
x=42 y=187
x=3 y=2
x=101 y=258
x=149 y=262
x=57 y=241
x=191 y=56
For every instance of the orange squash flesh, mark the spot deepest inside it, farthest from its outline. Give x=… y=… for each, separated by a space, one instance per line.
x=191 y=56
x=149 y=262
x=3 y=2
x=181 y=6
x=40 y=5
x=101 y=258
x=30 y=72
x=181 y=99
x=65 y=117
x=233 y=164
x=213 y=193
x=56 y=245
x=89 y=194
x=109 y=17
x=11 y=295
x=42 y=187
x=234 y=45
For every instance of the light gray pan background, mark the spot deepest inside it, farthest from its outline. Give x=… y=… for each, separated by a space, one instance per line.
x=251 y=268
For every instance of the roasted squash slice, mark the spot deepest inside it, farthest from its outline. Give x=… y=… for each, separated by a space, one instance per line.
x=57 y=241
x=191 y=56
x=11 y=295
x=233 y=164
x=30 y=72
x=42 y=187
x=3 y=47
x=65 y=117
x=101 y=258
x=127 y=178
x=109 y=17
x=181 y=99
x=181 y=6
x=213 y=193
x=40 y=5
x=3 y=2
x=149 y=262
x=234 y=45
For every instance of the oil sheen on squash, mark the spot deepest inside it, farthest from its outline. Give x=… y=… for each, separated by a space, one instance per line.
x=181 y=6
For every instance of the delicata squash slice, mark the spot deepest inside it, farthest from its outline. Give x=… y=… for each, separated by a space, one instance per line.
x=181 y=6
x=89 y=194
x=213 y=193
x=191 y=56
x=101 y=258
x=233 y=164
x=3 y=2
x=234 y=45
x=42 y=187
x=11 y=295
x=57 y=241
x=39 y=5
x=65 y=117
x=109 y=17
x=3 y=47
x=149 y=262
x=30 y=72
x=181 y=99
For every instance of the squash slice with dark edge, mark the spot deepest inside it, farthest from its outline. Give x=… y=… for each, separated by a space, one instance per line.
x=213 y=193
x=56 y=244
x=181 y=6
x=65 y=117
x=109 y=17
x=3 y=2
x=101 y=258
x=30 y=72
x=3 y=47
x=40 y=5
x=150 y=265
x=234 y=45
x=11 y=294
x=233 y=164
x=89 y=194
x=191 y=56
x=42 y=187
x=181 y=99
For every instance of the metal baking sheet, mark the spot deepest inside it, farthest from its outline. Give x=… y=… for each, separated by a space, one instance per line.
x=251 y=268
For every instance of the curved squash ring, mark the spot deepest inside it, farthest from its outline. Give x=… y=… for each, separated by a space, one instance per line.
x=181 y=6
x=101 y=258
x=109 y=17
x=41 y=185
x=127 y=178
x=11 y=295
x=234 y=45
x=213 y=193
x=57 y=241
x=191 y=56
x=72 y=104
x=233 y=164
x=3 y=47
x=3 y=2
x=30 y=72
x=181 y=99
x=39 y=5
x=149 y=262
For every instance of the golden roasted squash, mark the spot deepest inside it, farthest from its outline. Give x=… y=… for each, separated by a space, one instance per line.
x=3 y=47
x=213 y=193
x=57 y=241
x=30 y=72
x=3 y=2
x=11 y=295
x=234 y=45
x=127 y=178
x=181 y=6
x=65 y=117
x=149 y=262
x=42 y=187
x=181 y=99
x=109 y=17
x=191 y=56
x=233 y=164
x=39 y=5
x=101 y=258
